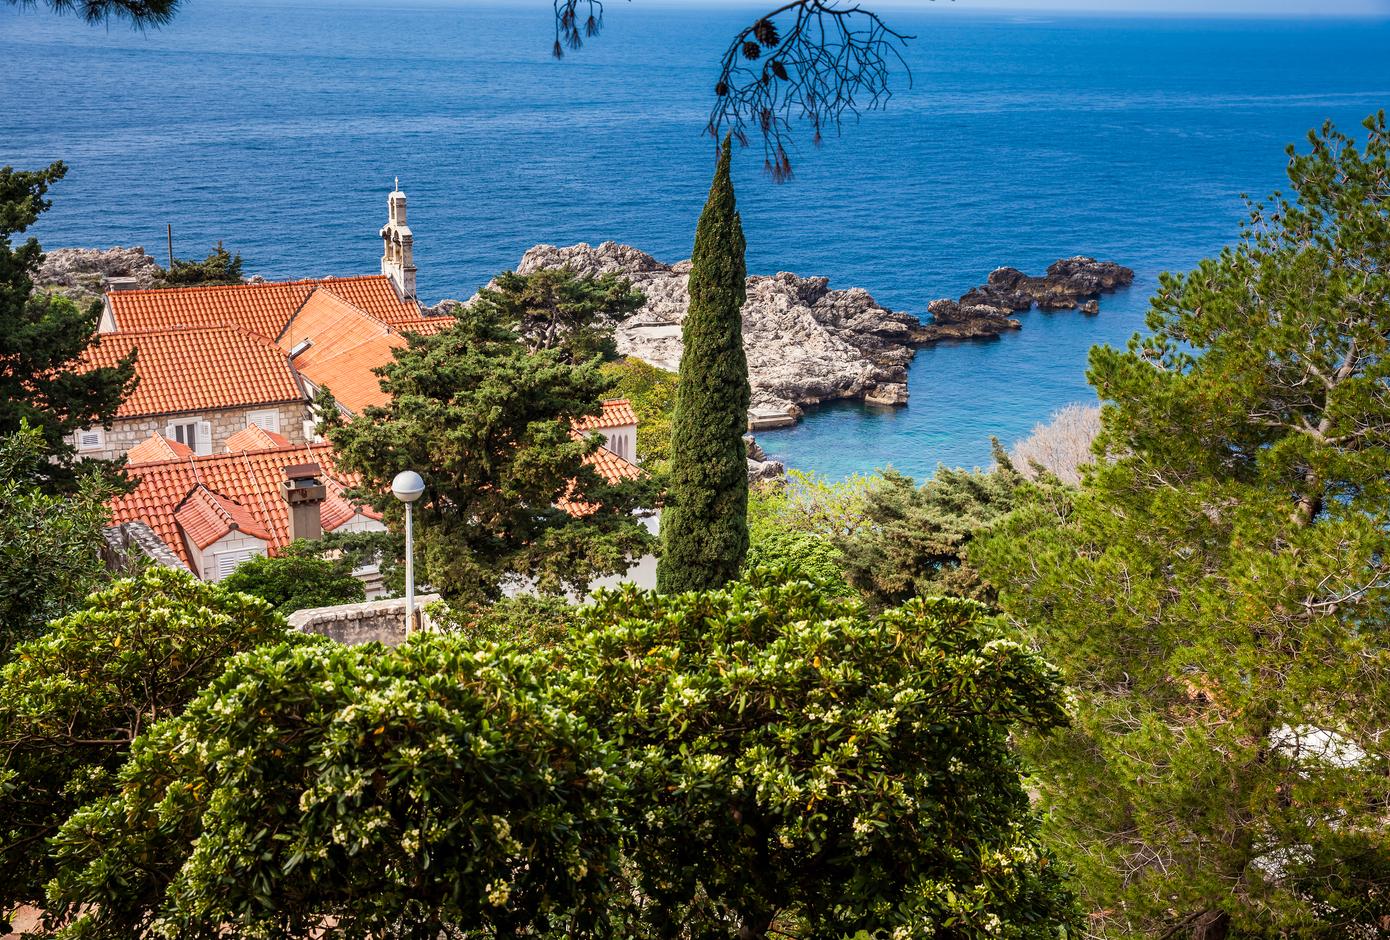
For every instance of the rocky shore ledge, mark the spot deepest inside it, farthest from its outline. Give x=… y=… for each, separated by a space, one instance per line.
x=83 y=273
x=808 y=343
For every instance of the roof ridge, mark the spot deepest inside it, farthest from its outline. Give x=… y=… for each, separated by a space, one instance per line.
x=200 y=288
x=256 y=487
x=195 y=457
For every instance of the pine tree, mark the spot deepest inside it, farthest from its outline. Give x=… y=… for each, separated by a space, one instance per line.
x=42 y=336
x=1218 y=590
x=555 y=308
x=509 y=494
x=704 y=526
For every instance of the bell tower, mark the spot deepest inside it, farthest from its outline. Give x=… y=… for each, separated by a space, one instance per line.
x=397 y=246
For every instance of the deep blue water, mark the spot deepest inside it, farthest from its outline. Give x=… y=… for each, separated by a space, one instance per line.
x=278 y=128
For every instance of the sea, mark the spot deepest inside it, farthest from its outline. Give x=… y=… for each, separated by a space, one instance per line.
x=277 y=128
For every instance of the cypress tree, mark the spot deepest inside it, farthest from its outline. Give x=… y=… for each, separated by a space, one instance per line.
x=704 y=526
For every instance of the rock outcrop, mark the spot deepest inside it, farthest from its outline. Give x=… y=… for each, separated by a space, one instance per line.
x=760 y=468
x=806 y=343
x=952 y=320
x=83 y=273
x=1065 y=286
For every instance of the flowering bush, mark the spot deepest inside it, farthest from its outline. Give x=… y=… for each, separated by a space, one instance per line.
x=794 y=760
x=426 y=791
x=73 y=699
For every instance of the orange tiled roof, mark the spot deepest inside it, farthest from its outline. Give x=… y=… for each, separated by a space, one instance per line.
x=250 y=479
x=617 y=413
x=611 y=467
x=425 y=326
x=200 y=369
x=254 y=437
x=155 y=448
x=205 y=517
x=338 y=346
x=262 y=308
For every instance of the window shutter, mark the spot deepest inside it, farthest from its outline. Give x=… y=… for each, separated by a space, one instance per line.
x=203 y=438
x=227 y=561
x=265 y=420
x=90 y=439
x=174 y=432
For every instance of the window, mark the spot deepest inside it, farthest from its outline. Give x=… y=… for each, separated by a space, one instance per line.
x=195 y=435
x=268 y=420
x=225 y=563
x=91 y=439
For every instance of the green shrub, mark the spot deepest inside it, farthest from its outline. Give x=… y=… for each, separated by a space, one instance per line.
x=294 y=580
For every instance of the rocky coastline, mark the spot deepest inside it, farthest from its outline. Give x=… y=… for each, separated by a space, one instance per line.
x=83 y=274
x=808 y=343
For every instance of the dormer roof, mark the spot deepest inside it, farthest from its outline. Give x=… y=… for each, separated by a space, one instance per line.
x=255 y=437
x=155 y=448
x=205 y=517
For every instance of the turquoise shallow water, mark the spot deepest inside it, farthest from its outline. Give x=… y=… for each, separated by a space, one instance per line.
x=278 y=128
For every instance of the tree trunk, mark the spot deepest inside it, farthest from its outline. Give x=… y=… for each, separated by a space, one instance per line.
x=756 y=926
x=1213 y=925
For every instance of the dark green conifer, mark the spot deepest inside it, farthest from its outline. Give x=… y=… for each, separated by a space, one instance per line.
x=705 y=524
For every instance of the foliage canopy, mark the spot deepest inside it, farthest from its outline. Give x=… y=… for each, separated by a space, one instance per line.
x=491 y=426
x=73 y=700
x=296 y=579
x=220 y=267
x=50 y=546
x=555 y=308
x=1218 y=589
x=43 y=335
x=797 y=761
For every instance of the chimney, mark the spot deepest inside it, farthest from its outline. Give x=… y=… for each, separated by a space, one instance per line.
x=304 y=492
x=122 y=283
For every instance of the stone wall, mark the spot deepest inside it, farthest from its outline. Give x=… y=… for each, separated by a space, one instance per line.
x=355 y=624
x=129 y=542
x=125 y=433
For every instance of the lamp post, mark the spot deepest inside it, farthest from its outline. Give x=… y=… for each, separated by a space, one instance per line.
x=407 y=487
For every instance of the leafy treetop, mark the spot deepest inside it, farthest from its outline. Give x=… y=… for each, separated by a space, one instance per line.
x=431 y=790
x=1218 y=589
x=50 y=546
x=218 y=268
x=42 y=336
x=490 y=425
x=73 y=700
x=799 y=762
x=296 y=579
x=555 y=308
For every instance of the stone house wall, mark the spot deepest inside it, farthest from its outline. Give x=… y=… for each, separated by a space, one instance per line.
x=125 y=433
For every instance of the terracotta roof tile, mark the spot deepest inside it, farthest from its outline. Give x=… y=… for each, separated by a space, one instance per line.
x=205 y=516
x=611 y=467
x=254 y=437
x=425 y=326
x=262 y=308
x=155 y=448
x=338 y=346
x=617 y=413
x=200 y=369
x=249 y=479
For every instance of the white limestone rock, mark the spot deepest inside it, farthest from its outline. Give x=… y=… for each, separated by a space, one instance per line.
x=805 y=342
x=82 y=273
